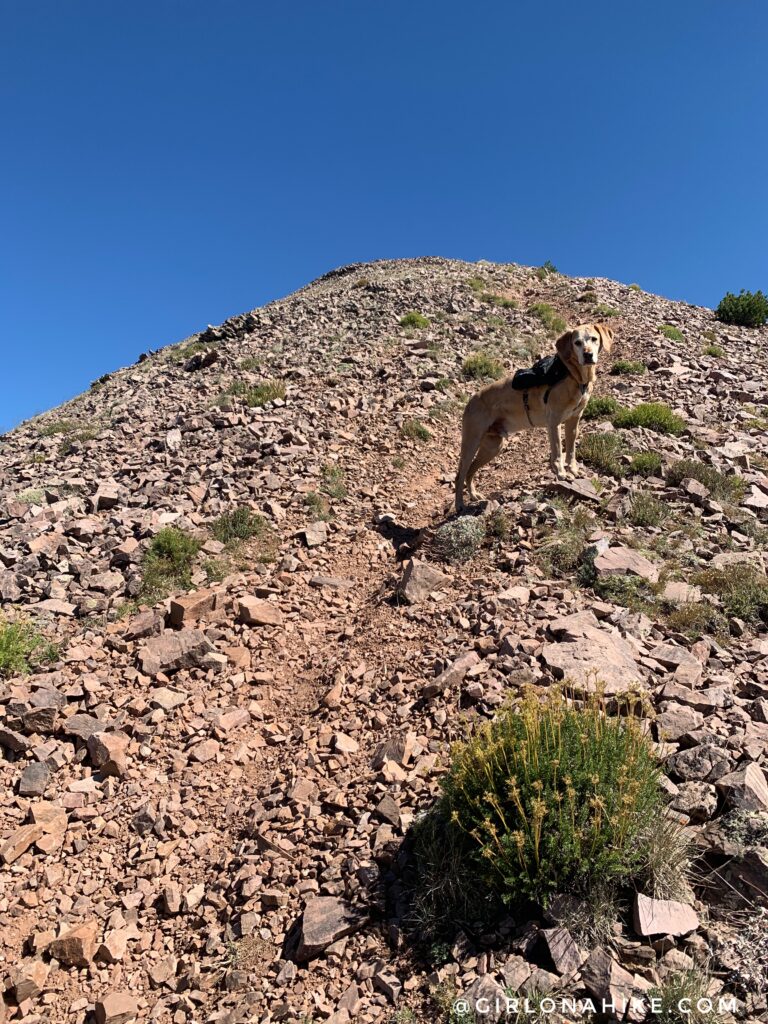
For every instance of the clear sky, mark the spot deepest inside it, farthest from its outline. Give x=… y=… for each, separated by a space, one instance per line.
x=167 y=164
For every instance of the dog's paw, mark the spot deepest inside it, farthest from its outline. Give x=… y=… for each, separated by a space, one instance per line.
x=574 y=469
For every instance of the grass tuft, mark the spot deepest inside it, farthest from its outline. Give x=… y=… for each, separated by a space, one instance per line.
x=606 y=312
x=549 y=317
x=23 y=648
x=653 y=416
x=646 y=510
x=603 y=407
x=239 y=524
x=631 y=367
x=414 y=319
x=602 y=452
x=673 y=333
x=718 y=484
x=415 y=430
x=167 y=565
x=716 y=351
x=259 y=394
x=742 y=589
x=645 y=464
x=482 y=366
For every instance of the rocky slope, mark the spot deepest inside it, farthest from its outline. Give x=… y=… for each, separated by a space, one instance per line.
x=209 y=797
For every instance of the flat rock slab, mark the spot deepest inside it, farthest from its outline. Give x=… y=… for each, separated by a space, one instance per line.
x=116 y=1008
x=663 y=917
x=76 y=948
x=171 y=651
x=591 y=657
x=325 y=920
x=581 y=489
x=252 y=611
x=420 y=580
x=746 y=789
x=622 y=561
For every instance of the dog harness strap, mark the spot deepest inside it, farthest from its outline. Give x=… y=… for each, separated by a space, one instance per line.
x=527 y=408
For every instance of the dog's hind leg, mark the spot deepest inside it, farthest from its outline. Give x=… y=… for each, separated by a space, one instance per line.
x=490 y=446
x=471 y=439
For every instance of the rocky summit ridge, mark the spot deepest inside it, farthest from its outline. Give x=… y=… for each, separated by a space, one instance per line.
x=209 y=791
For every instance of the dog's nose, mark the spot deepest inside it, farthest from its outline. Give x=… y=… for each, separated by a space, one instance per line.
x=588 y=357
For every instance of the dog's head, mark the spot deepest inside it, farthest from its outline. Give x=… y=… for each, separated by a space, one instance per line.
x=580 y=348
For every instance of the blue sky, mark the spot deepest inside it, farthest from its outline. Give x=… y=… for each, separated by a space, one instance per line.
x=167 y=164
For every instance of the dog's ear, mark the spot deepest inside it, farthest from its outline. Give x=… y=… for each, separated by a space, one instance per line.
x=564 y=345
x=606 y=337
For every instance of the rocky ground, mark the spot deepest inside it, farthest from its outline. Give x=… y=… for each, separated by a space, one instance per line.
x=209 y=797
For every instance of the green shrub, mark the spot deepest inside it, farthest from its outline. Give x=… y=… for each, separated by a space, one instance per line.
x=603 y=407
x=695 y=619
x=58 y=427
x=238 y=525
x=31 y=496
x=635 y=287
x=652 y=415
x=258 y=395
x=334 y=480
x=544 y=271
x=562 y=550
x=679 y=996
x=250 y=363
x=498 y=300
x=645 y=464
x=319 y=505
x=631 y=367
x=546 y=798
x=415 y=430
x=606 y=312
x=477 y=284
x=482 y=366
x=414 y=319
x=646 y=510
x=602 y=452
x=460 y=539
x=716 y=351
x=167 y=564
x=673 y=333
x=499 y=525
x=549 y=317
x=742 y=588
x=718 y=484
x=629 y=591
x=23 y=648
x=588 y=296
x=747 y=309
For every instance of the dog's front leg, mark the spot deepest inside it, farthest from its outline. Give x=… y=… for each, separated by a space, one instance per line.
x=571 y=428
x=555 y=450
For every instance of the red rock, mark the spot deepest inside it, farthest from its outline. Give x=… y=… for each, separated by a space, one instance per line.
x=420 y=580
x=116 y=1008
x=663 y=917
x=109 y=752
x=325 y=920
x=19 y=842
x=187 y=608
x=76 y=947
x=254 y=612
x=745 y=789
